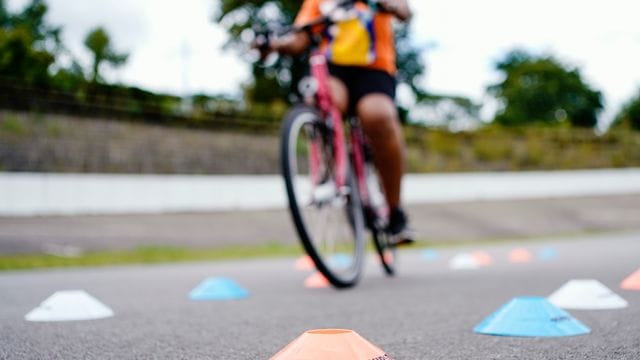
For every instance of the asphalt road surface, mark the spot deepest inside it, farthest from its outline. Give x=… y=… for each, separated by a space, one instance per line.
x=427 y=312
x=468 y=221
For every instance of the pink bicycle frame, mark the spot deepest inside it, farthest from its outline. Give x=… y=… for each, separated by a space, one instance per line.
x=320 y=72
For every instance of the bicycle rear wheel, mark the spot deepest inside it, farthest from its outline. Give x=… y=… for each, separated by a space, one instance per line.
x=328 y=220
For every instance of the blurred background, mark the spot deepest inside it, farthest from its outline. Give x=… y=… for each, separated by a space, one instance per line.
x=165 y=102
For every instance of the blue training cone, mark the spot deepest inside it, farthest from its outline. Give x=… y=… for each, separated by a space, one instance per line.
x=218 y=289
x=430 y=255
x=547 y=254
x=531 y=317
x=341 y=261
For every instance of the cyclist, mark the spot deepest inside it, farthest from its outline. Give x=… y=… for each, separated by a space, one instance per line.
x=362 y=64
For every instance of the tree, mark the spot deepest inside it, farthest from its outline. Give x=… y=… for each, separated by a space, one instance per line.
x=4 y=14
x=275 y=82
x=27 y=43
x=411 y=67
x=630 y=114
x=541 y=89
x=99 y=43
x=454 y=113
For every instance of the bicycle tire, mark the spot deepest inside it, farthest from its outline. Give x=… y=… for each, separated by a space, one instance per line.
x=386 y=253
x=376 y=221
x=305 y=119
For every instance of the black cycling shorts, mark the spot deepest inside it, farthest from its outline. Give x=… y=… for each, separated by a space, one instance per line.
x=361 y=82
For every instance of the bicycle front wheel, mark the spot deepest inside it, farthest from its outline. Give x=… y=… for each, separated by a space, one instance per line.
x=328 y=219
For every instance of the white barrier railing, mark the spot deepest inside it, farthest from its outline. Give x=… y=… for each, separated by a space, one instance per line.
x=27 y=194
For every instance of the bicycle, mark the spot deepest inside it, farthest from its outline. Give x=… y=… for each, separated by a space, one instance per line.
x=331 y=184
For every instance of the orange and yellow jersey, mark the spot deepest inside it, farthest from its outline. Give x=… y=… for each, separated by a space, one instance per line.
x=380 y=41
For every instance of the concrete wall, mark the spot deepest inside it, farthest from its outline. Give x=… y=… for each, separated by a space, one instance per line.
x=27 y=194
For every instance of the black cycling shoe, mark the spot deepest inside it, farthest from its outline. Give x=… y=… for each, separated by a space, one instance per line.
x=400 y=233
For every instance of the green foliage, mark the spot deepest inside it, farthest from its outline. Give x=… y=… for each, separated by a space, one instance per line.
x=27 y=44
x=144 y=255
x=492 y=147
x=32 y=19
x=277 y=81
x=31 y=80
x=236 y=16
x=630 y=114
x=541 y=89
x=409 y=60
x=498 y=148
x=13 y=125
x=442 y=111
x=4 y=14
x=19 y=59
x=99 y=43
x=69 y=79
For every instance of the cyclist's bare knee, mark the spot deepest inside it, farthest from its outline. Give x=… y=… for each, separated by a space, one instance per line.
x=378 y=114
x=339 y=94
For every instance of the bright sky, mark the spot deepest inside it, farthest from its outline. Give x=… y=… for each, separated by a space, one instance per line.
x=176 y=48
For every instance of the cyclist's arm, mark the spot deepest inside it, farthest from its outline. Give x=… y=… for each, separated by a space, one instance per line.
x=399 y=8
x=294 y=43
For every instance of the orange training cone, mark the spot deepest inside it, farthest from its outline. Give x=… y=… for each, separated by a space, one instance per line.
x=483 y=258
x=305 y=264
x=389 y=257
x=316 y=281
x=520 y=256
x=331 y=345
x=632 y=282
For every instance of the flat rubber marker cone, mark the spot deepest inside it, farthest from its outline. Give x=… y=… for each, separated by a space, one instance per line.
x=218 y=289
x=76 y=305
x=531 y=317
x=464 y=262
x=340 y=261
x=388 y=257
x=305 y=264
x=430 y=255
x=547 y=254
x=316 y=281
x=331 y=344
x=483 y=258
x=632 y=282
x=586 y=295
x=520 y=256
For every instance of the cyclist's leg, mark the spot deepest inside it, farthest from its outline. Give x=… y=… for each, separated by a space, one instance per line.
x=339 y=94
x=379 y=118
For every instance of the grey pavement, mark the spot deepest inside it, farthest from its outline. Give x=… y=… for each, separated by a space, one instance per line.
x=427 y=312
x=434 y=222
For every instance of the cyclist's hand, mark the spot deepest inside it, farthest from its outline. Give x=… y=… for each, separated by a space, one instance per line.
x=389 y=6
x=399 y=8
x=262 y=43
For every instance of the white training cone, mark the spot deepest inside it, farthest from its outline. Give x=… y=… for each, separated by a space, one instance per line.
x=69 y=306
x=464 y=262
x=586 y=295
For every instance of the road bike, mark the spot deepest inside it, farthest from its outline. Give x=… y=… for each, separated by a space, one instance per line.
x=332 y=186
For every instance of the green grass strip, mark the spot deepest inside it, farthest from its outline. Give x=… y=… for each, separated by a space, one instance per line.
x=144 y=255
x=157 y=255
